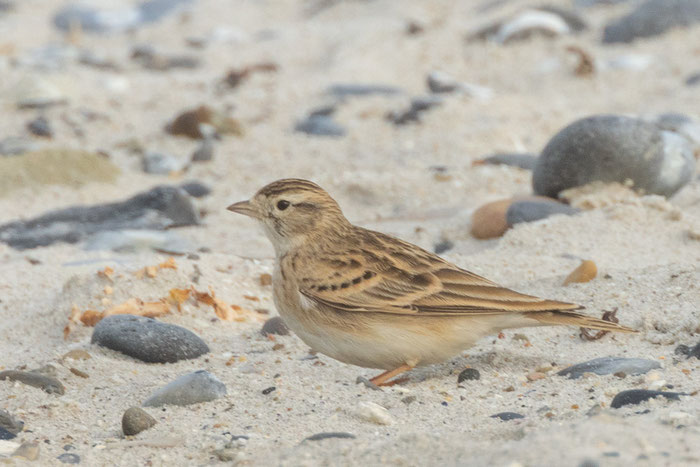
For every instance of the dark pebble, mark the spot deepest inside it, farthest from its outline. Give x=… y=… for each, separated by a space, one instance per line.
x=135 y=420
x=204 y=152
x=468 y=374
x=10 y=423
x=276 y=326
x=192 y=388
x=610 y=366
x=69 y=458
x=329 y=435
x=688 y=352
x=522 y=161
x=506 y=416
x=693 y=79
x=358 y=90
x=652 y=18
x=5 y=434
x=417 y=107
x=160 y=208
x=534 y=210
x=636 y=396
x=46 y=383
x=589 y=463
x=443 y=246
x=267 y=391
x=320 y=125
x=614 y=148
x=196 y=189
x=40 y=127
x=147 y=339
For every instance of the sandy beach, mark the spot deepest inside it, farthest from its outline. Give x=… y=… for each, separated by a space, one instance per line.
x=417 y=181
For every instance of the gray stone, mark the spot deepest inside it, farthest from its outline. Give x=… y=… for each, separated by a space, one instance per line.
x=160 y=164
x=524 y=161
x=151 y=59
x=636 y=396
x=196 y=189
x=6 y=434
x=320 y=125
x=69 y=458
x=135 y=420
x=160 y=208
x=147 y=339
x=609 y=366
x=330 y=435
x=204 y=152
x=40 y=127
x=135 y=240
x=10 y=423
x=507 y=416
x=275 y=325
x=46 y=383
x=443 y=246
x=358 y=90
x=192 y=388
x=652 y=18
x=417 y=107
x=612 y=148
x=534 y=210
x=14 y=145
x=468 y=374
x=440 y=82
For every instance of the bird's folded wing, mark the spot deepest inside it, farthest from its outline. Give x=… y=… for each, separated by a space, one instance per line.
x=438 y=289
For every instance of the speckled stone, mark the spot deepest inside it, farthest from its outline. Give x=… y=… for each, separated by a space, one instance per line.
x=192 y=388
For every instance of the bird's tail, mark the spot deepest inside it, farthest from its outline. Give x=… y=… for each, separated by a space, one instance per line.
x=573 y=318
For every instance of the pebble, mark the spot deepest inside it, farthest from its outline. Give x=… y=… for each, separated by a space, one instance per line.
x=374 y=413
x=613 y=148
x=135 y=420
x=636 y=396
x=204 y=152
x=55 y=166
x=361 y=90
x=525 y=161
x=69 y=458
x=28 y=450
x=535 y=376
x=609 y=366
x=585 y=272
x=531 y=210
x=6 y=434
x=440 y=82
x=330 y=435
x=443 y=246
x=147 y=339
x=10 y=423
x=149 y=58
x=14 y=145
x=688 y=351
x=138 y=240
x=693 y=79
x=507 y=416
x=40 y=127
x=192 y=388
x=160 y=208
x=468 y=374
x=46 y=383
x=489 y=220
x=196 y=189
x=417 y=107
x=202 y=122
x=652 y=18
x=319 y=125
x=160 y=164
x=367 y=383
x=275 y=325
x=35 y=92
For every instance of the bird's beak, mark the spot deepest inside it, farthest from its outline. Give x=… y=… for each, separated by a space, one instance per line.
x=246 y=208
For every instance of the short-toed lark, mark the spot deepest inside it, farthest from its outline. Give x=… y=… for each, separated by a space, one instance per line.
x=368 y=299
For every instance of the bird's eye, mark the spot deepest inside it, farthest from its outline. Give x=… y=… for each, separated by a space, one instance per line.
x=282 y=204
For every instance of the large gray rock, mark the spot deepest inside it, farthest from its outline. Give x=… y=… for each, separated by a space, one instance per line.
x=147 y=339
x=612 y=148
x=652 y=18
x=192 y=388
x=159 y=208
x=610 y=366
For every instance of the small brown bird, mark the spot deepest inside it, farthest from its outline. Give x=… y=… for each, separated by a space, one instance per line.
x=368 y=299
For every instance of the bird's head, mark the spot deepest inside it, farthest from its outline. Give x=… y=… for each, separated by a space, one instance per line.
x=293 y=211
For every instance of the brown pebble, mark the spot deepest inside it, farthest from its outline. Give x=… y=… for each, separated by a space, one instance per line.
x=135 y=420
x=265 y=279
x=77 y=354
x=534 y=376
x=586 y=272
x=489 y=221
x=29 y=451
x=77 y=372
x=509 y=389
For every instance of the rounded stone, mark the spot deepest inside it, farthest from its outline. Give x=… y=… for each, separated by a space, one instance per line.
x=135 y=420
x=468 y=374
x=531 y=210
x=489 y=220
x=275 y=325
x=147 y=339
x=613 y=148
x=192 y=388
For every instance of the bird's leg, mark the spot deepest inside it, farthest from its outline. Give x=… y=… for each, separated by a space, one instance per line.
x=383 y=379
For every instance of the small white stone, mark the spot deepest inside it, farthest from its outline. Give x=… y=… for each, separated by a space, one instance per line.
x=657 y=385
x=374 y=413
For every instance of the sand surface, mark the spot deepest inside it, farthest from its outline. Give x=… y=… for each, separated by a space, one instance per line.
x=385 y=178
